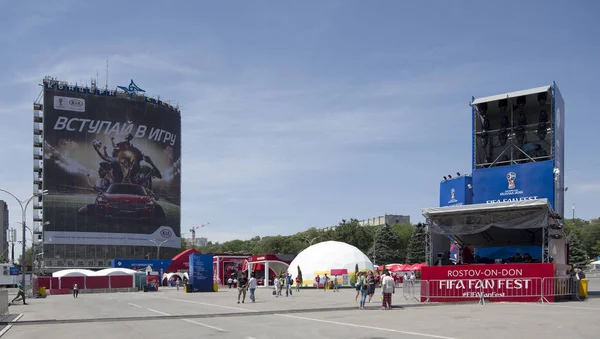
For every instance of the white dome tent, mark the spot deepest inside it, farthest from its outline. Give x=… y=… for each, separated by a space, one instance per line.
x=326 y=256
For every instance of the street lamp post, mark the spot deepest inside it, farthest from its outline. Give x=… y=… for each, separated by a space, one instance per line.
x=23 y=221
x=158 y=246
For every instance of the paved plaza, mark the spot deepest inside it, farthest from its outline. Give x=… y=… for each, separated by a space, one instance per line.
x=307 y=314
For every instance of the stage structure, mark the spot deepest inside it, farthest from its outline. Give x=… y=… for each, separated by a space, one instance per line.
x=111 y=162
x=513 y=201
x=518 y=223
x=517 y=156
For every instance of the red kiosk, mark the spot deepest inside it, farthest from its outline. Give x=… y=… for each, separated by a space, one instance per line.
x=267 y=266
x=226 y=265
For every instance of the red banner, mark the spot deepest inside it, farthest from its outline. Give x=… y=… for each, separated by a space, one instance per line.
x=496 y=282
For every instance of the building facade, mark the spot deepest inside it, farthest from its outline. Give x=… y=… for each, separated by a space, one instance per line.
x=107 y=169
x=4 y=249
x=390 y=219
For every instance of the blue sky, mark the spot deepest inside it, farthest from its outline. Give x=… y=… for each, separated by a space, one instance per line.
x=301 y=113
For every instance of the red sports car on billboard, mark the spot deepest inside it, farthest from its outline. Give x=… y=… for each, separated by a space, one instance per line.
x=121 y=202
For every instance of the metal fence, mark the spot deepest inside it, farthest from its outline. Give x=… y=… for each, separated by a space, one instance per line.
x=543 y=290
x=411 y=290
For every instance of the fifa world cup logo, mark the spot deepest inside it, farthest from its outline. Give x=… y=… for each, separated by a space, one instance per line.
x=511 y=177
x=452 y=193
x=126 y=161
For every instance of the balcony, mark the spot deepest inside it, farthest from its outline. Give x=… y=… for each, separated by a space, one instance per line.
x=38 y=165
x=38 y=141
x=38 y=128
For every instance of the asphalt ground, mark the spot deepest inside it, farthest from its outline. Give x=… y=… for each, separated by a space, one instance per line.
x=306 y=314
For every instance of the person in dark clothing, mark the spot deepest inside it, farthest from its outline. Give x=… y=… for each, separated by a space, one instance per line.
x=242 y=285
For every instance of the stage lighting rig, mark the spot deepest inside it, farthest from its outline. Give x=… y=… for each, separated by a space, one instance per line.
x=445 y=178
x=482 y=108
x=542 y=128
x=503 y=134
x=458 y=174
x=449 y=176
x=542 y=97
x=503 y=105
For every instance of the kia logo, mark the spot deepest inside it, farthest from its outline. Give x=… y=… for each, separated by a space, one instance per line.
x=166 y=233
x=75 y=102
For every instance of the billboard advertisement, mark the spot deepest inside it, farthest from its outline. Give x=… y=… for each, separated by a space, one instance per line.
x=456 y=192
x=112 y=167
x=529 y=181
x=201 y=272
x=559 y=150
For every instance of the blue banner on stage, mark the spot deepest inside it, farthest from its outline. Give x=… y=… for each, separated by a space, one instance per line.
x=201 y=272
x=529 y=181
x=456 y=192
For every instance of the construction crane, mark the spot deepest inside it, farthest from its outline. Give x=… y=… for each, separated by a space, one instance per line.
x=193 y=230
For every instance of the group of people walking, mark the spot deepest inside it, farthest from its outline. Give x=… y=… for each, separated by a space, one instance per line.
x=365 y=287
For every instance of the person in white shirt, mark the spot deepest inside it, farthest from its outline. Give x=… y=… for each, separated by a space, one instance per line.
x=388 y=287
x=277 y=283
x=252 y=286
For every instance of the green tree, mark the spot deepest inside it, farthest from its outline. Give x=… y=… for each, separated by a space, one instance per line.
x=577 y=253
x=596 y=250
x=351 y=232
x=416 y=248
x=405 y=232
x=28 y=257
x=387 y=247
x=183 y=244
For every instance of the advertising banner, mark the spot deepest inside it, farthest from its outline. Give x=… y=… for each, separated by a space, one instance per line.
x=153 y=282
x=531 y=181
x=155 y=265
x=112 y=170
x=456 y=192
x=507 y=282
x=559 y=151
x=201 y=272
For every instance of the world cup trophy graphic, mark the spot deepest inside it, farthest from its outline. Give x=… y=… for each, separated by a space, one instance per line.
x=511 y=177
x=452 y=194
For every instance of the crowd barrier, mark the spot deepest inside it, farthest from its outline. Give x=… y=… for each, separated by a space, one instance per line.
x=542 y=290
x=410 y=289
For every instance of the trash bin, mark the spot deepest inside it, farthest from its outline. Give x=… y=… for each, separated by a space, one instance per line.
x=145 y=288
x=188 y=288
x=583 y=288
x=42 y=292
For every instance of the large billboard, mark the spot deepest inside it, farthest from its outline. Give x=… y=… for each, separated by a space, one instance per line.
x=112 y=167
x=531 y=181
x=559 y=151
